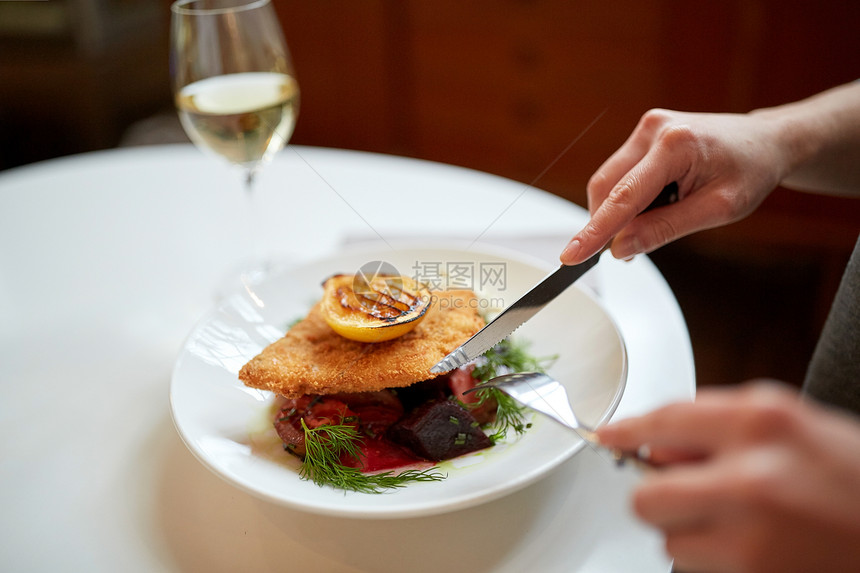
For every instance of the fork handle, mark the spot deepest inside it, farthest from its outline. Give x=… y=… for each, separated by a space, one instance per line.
x=667 y=196
x=637 y=459
x=640 y=458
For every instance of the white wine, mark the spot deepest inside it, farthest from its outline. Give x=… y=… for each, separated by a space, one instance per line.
x=245 y=117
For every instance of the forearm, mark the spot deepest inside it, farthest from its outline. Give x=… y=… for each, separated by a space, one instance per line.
x=821 y=141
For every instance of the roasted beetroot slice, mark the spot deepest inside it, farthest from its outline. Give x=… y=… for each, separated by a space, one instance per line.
x=439 y=430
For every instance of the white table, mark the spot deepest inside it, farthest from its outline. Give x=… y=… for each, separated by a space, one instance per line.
x=106 y=262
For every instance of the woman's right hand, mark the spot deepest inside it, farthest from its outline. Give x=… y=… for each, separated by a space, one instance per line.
x=725 y=165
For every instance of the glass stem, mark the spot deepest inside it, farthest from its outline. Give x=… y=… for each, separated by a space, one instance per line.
x=260 y=261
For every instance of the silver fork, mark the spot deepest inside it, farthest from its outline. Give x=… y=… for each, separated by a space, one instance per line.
x=547 y=396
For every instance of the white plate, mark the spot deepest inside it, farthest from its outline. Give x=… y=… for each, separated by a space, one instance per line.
x=227 y=426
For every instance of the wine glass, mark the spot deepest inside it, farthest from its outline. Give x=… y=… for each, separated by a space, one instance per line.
x=234 y=89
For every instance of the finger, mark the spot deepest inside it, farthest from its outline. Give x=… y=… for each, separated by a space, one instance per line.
x=631 y=152
x=719 y=419
x=660 y=457
x=613 y=169
x=633 y=193
x=696 y=512
x=681 y=496
x=705 y=208
x=689 y=427
x=616 y=182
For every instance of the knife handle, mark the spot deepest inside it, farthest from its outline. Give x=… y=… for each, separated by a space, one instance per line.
x=667 y=196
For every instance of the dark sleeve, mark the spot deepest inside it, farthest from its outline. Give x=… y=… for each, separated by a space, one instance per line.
x=833 y=376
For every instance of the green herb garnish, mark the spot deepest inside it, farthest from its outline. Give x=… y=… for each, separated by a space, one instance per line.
x=509 y=356
x=506 y=357
x=324 y=447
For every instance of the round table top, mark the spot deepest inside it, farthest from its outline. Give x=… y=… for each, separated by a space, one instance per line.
x=108 y=259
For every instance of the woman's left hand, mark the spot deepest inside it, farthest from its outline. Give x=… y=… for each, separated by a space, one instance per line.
x=753 y=479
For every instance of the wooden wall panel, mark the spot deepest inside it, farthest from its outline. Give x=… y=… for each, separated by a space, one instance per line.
x=507 y=89
x=341 y=54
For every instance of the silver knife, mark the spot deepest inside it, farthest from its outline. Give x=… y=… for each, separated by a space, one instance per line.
x=532 y=302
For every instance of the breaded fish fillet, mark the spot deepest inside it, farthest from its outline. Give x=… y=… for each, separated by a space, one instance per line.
x=312 y=359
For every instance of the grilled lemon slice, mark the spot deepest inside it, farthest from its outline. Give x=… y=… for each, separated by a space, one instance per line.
x=373 y=308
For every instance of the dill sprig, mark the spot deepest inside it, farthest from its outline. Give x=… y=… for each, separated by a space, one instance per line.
x=506 y=357
x=509 y=415
x=509 y=356
x=324 y=447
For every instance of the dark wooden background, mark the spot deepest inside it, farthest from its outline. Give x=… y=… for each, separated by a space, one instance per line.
x=502 y=86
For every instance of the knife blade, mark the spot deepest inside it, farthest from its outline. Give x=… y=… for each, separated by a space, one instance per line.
x=532 y=302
